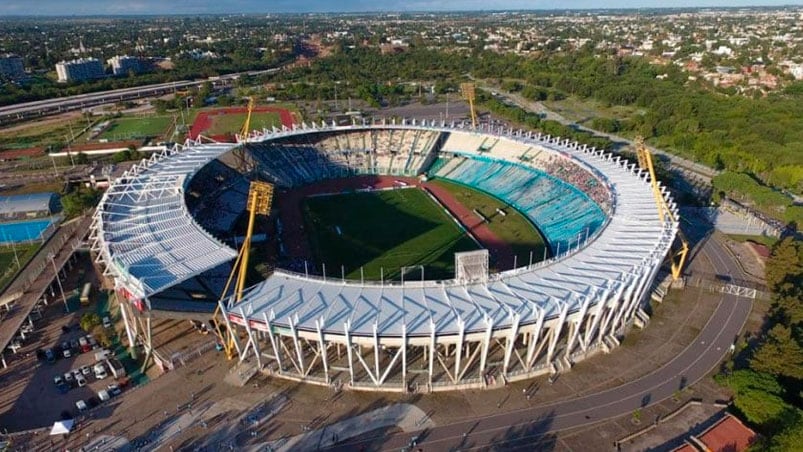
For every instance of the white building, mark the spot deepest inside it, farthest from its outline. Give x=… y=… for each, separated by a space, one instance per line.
x=123 y=65
x=79 y=70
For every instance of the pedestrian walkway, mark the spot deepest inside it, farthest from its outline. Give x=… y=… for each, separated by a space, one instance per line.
x=407 y=417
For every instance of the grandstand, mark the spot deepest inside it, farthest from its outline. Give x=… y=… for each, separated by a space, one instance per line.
x=596 y=210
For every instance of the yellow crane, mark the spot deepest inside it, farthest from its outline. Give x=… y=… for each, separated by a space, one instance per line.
x=260 y=199
x=677 y=257
x=246 y=129
x=469 y=93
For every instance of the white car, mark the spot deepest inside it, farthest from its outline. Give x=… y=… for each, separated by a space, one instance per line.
x=68 y=377
x=107 y=322
x=80 y=380
x=114 y=389
x=86 y=371
x=81 y=405
x=67 y=353
x=100 y=371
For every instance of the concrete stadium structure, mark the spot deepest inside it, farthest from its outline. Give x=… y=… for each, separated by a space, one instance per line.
x=607 y=241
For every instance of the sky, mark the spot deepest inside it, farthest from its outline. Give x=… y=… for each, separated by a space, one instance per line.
x=101 y=7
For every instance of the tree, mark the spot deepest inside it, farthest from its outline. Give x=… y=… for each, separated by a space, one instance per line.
x=89 y=321
x=780 y=354
x=78 y=201
x=784 y=268
x=102 y=336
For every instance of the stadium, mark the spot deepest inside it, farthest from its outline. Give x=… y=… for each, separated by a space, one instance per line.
x=474 y=310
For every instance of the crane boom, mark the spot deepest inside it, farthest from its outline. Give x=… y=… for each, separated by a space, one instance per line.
x=260 y=199
x=677 y=256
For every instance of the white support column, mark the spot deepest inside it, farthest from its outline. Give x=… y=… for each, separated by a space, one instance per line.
x=299 y=351
x=511 y=338
x=556 y=331
x=486 y=344
x=276 y=350
x=319 y=326
x=346 y=328
x=431 y=350
x=600 y=310
x=624 y=294
x=535 y=337
x=461 y=335
x=252 y=341
x=404 y=354
x=376 y=350
x=132 y=341
x=578 y=324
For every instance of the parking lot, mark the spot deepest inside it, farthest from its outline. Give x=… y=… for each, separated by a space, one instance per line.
x=38 y=391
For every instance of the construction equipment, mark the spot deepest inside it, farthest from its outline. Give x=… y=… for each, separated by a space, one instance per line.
x=260 y=199
x=469 y=93
x=677 y=257
x=247 y=124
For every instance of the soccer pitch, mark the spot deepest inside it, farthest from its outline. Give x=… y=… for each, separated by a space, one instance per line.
x=128 y=128
x=513 y=227
x=383 y=230
x=223 y=124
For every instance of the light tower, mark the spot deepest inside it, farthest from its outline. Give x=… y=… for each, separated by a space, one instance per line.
x=469 y=94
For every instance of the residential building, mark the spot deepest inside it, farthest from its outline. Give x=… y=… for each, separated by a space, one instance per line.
x=11 y=67
x=79 y=70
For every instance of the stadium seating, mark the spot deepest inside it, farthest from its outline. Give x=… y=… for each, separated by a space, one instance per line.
x=562 y=212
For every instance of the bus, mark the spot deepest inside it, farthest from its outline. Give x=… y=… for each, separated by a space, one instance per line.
x=86 y=294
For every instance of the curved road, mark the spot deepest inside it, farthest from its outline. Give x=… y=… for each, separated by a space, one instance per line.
x=524 y=428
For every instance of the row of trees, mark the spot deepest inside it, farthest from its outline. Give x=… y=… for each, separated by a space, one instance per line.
x=767 y=386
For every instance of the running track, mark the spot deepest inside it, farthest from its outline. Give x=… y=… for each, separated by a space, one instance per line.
x=522 y=429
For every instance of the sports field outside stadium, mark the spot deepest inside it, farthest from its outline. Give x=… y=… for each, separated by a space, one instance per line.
x=383 y=231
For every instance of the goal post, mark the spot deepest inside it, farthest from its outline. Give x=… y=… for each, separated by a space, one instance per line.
x=471 y=266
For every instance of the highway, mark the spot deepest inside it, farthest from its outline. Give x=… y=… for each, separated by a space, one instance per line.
x=39 y=108
x=523 y=428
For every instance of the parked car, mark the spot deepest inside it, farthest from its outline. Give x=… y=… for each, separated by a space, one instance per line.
x=58 y=380
x=83 y=344
x=107 y=322
x=68 y=377
x=75 y=346
x=103 y=395
x=103 y=354
x=81 y=405
x=81 y=381
x=50 y=356
x=92 y=342
x=67 y=353
x=85 y=371
x=100 y=371
x=114 y=389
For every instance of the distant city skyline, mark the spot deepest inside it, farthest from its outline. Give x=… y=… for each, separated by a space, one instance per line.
x=139 y=7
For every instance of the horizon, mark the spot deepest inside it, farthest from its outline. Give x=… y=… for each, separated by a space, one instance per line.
x=142 y=8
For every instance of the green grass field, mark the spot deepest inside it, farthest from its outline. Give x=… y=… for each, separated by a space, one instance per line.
x=8 y=265
x=388 y=229
x=513 y=228
x=232 y=123
x=127 y=128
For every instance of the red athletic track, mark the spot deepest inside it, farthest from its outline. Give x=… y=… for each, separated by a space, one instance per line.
x=205 y=119
x=294 y=236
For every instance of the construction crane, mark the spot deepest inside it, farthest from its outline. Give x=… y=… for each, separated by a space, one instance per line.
x=260 y=199
x=677 y=257
x=247 y=124
x=469 y=93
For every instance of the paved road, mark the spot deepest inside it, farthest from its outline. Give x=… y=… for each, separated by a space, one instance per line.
x=522 y=428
